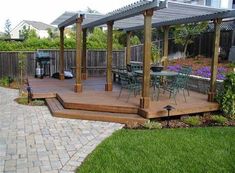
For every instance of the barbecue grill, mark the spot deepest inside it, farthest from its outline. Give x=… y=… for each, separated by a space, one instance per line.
x=42 y=64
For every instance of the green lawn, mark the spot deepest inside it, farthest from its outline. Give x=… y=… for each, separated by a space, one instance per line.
x=196 y=150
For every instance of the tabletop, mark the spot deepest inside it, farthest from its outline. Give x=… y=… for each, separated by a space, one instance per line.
x=162 y=73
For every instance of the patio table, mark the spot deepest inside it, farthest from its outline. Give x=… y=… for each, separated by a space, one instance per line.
x=162 y=73
x=155 y=79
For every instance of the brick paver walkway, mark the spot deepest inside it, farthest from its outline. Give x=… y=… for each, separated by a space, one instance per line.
x=33 y=141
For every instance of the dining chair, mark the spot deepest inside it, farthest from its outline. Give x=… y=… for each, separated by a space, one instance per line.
x=179 y=83
x=155 y=84
x=131 y=83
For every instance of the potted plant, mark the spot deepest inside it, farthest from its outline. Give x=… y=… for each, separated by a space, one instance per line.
x=156 y=59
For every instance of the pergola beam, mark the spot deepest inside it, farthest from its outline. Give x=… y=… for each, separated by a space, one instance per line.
x=78 y=81
x=128 y=47
x=70 y=21
x=165 y=46
x=145 y=99
x=214 y=65
x=109 y=85
x=193 y=19
x=129 y=11
x=61 y=60
x=84 y=49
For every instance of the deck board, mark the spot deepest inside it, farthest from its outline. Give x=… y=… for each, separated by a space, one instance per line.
x=95 y=98
x=57 y=110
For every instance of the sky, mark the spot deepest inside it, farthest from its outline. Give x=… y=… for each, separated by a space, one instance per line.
x=48 y=10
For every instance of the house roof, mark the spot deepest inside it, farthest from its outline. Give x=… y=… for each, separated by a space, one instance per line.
x=39 y=25
x=166 y=13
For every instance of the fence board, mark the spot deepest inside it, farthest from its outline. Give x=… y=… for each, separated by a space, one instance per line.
x=96 y=62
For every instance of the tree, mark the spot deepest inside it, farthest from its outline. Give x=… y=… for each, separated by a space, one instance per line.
x=8 y=28
x=185 y=34
x=22 y=65
x=27 y=33
x=97 y=39
x=53 y=33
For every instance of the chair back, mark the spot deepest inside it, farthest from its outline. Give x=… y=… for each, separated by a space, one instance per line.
x=124 y=79
x=183 y=76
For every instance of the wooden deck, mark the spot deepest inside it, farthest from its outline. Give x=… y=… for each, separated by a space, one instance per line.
x=96 y=104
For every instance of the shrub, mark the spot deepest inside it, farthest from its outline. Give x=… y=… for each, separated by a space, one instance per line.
x=192 y=121
x=22 y=100
x=219 y=119
x=226 y=98
x=4 y=81
x=152 y=125
x=38 y=102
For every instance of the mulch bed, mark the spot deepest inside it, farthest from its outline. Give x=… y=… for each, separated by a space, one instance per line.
x=199 y=62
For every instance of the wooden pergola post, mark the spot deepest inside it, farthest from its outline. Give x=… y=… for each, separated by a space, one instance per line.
x=84 y=48
x=165 y=46
x=78 y=81
x=128 y=47
x=214 y=65
x=61 y=60
x=145 y=99
x=109 y=85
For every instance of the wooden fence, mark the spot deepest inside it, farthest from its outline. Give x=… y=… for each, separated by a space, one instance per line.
x=96 y=59
x=96 y=62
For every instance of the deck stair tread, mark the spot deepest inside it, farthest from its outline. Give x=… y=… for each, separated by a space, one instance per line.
x=59 y=111
x=81 y=103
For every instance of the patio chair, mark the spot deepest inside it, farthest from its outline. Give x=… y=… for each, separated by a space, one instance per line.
x=180 y=83
x=155 y=83
x=130 y=82
x=135 y=67
x=186 y=71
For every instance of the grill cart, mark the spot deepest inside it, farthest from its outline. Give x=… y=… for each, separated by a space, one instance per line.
x=42 y=65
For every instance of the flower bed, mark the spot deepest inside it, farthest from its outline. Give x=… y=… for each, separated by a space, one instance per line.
x=202 y=71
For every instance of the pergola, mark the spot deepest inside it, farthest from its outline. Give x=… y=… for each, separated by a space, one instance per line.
x=144 y=14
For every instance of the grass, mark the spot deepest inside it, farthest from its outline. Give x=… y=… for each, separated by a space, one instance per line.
x=169 y=150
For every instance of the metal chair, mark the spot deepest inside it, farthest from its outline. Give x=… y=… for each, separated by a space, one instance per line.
x=130 y=82
x=180 y=83
x=186 y=71
x=155 y=83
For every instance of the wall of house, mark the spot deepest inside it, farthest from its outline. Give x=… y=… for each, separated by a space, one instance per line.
x=15 y=33
x=43 y=34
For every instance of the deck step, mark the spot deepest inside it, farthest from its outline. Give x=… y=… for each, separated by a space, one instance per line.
x=69 y=103
x=59 y=111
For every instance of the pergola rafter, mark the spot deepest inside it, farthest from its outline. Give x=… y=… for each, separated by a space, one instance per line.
x=146 y=14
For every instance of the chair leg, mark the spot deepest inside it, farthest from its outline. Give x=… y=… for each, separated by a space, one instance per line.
x=120 y=93
x=184 y=96
x=153 y=93
x=130 y=91
x=187 y=90
x=158 y=93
